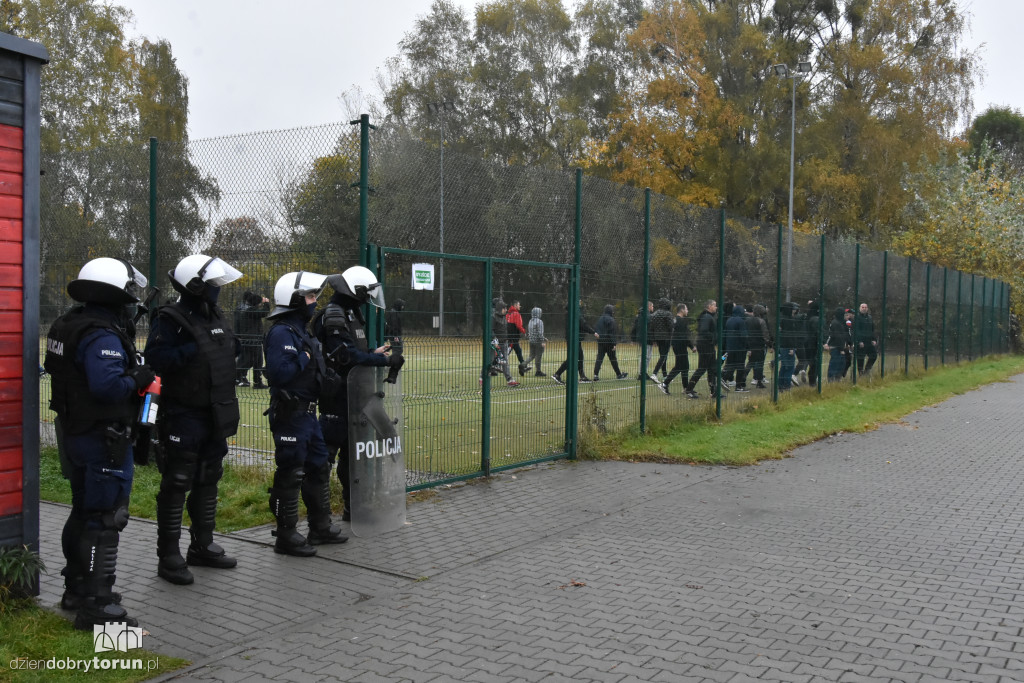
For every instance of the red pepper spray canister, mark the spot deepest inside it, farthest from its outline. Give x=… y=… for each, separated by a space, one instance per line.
x=150 y=403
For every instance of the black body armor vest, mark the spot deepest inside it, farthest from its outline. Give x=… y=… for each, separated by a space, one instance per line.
x=209 y=379
x=70 y=397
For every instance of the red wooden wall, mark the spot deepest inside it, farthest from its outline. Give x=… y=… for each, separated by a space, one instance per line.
x=11 y=305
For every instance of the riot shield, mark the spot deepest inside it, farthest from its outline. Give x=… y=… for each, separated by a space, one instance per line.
x=376 y=461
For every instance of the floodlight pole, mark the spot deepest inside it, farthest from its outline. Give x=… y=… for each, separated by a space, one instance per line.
x=440 y=108
x=792 y=164
x=785 y=71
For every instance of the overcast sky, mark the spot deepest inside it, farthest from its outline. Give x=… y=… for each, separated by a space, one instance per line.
x=258 y=65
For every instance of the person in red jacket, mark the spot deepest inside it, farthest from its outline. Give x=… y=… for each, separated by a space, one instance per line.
x=515 y=329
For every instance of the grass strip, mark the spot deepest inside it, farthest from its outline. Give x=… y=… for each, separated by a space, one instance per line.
x=38 y=645
x=761 y=430
x=242 y=494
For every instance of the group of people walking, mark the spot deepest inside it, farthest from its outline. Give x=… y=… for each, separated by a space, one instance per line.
x=99 y=378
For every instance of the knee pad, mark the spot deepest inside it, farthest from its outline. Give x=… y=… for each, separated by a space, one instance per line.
x=116 y=519
x=209 y=472
x=319 y=474
x=179 y=470
x=289 y=478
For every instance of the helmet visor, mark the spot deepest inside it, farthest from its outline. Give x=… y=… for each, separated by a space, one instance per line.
x=218 y=273
x=136 y=283
x=374 y=293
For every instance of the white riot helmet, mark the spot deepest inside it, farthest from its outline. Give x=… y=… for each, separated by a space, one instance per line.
x=291 y=291
x=361 y=284
x=195 y=273
x=107 y=281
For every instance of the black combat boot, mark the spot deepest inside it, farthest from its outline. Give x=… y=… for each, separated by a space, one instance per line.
x=284 y=504
x=316 y=494
x=97 y=549
x=202 y=509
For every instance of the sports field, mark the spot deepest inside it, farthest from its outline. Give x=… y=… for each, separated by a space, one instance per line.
x=442 y=408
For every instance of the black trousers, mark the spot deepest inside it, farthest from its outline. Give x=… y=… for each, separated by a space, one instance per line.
x=565 y=364
x=869 y=353
x=755 y=364
x=681 y=368
x=662 y=364
x=705 y=364
x=606 y=350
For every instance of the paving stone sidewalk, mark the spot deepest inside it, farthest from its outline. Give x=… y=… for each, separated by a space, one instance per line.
x=892 y=555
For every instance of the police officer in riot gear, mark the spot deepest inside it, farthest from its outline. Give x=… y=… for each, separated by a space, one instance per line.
x=193 y=349
x=298 y=378
x=90 y=354
x=342 y=331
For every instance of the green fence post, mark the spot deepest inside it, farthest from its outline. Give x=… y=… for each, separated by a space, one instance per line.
x=959 y=312
x=821 y=310
x=906 y=329
x=885 y=312
x=644 y=312
x=573 y=373
x=856 y=308
x=984 y=322
x=778 y=321
x=721 y=298
x=927 y=310
x=485 y=386
x=970 y=334
x=1006 y=317
x=152 y=210
x=945 y=283
x=364 y=188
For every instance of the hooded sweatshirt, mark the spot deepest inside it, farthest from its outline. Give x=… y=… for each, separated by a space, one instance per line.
x=736 y=330
x=606 y=326
x=661 y=322
x=837 y=333
x=535 y=328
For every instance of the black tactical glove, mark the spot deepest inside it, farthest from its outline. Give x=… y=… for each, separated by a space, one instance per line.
x=142 y=375
x=395 y=362
x=332 y=384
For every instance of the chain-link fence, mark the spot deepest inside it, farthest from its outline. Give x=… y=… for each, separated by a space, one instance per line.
x=579 y=254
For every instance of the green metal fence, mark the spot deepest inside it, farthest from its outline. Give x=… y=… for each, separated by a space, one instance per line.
x=328 y=197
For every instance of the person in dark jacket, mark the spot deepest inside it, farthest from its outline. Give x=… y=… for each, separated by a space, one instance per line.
x=249 y=330
x=608 y=334
x=393 y=327
x=848 y=352
x=634 y=333
x=660 y=332
x=341 y=330
x=864 y=340
x=790 y=335
x=191 y=347
x=297 y=373
x=585 y=328
x=812 y=342
x=758 y=342
x=836 y=343
x=681 y=347
x=800 y=369
x=707 y=335
x=96 y=380
x=736 y=347
x=499 y=332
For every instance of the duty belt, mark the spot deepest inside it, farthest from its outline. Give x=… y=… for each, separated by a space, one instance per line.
x=306 y=407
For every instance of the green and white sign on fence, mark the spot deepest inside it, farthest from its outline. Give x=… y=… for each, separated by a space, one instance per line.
x=423 y=276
